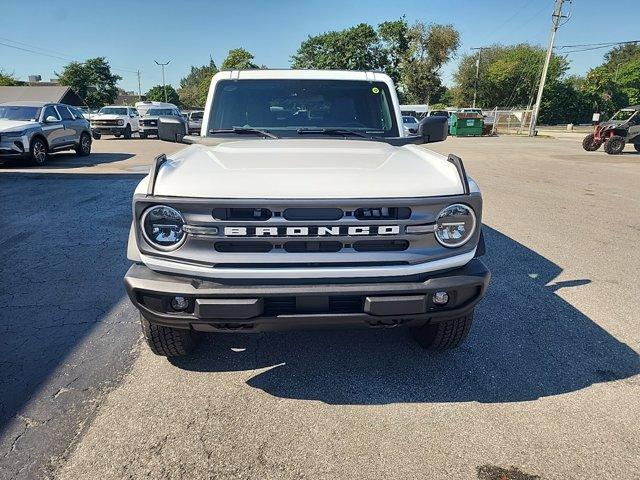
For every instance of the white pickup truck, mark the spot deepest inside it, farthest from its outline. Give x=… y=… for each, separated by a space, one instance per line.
x=305 y=204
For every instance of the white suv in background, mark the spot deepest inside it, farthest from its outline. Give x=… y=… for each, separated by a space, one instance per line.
x=115 y=120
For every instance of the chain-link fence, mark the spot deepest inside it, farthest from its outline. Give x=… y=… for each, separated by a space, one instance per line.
x=509 y=121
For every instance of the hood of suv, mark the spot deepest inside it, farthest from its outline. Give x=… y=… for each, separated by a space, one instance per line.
x=306 y=168
x=10 y=125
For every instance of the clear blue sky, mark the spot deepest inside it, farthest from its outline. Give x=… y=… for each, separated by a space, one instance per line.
x=131 y=34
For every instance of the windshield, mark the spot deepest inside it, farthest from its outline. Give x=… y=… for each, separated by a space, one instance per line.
x=197 y=115
x=157 y=112
x=622 y=115
x=113 y=110
x=16 y=112
x=409 y=120
x=285 y=106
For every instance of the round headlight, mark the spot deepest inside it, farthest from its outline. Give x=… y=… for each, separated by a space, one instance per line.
x=455 y=225
x=162 y=227
x=120 y=122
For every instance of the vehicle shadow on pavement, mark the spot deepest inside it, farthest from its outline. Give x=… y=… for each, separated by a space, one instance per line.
x=526 y=343
x=68 y=160
x=65 y=325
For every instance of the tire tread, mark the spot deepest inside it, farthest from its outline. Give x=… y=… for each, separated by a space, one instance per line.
x=444 y=335
x=167 y=341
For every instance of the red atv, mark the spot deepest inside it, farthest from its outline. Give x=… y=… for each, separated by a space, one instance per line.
x=623 y=128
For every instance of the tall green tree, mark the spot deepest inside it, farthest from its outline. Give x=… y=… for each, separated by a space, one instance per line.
x=156 y=94
x=616 y=82
x=508 y=75
x=564 y=102
x=394 y=36
x=238 y=59
x=92 y=80
x=194 y=87
x=355 y=48
x=430 y=47
x=411 y=54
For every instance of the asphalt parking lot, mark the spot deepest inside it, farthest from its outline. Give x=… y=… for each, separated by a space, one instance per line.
x=546 y=387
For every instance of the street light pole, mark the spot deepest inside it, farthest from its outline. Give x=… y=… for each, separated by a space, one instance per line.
x=555 y=24
x=475 y=85
x=164 y=87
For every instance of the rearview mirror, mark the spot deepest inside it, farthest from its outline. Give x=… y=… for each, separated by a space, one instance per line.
x=433 y=129
x=172 y=129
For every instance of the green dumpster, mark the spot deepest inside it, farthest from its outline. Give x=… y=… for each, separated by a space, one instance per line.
x=466 y=124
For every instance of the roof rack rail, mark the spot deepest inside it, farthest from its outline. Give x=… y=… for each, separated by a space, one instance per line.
x=462 y=173
x=153 y=173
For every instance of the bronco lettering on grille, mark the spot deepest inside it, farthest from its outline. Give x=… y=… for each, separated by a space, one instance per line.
x=315 y=231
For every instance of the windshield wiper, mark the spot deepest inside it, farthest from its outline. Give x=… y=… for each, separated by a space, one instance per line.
x=343 y=132
x=241 y=130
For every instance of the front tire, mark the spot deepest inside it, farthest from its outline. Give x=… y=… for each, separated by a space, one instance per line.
x=96 y=135
x=127 y=132
x=142 y=135
x=38 y=152
x=444 y=335
x=637 y=147
x=590 y=144
x=167 y=341
x=614 y=145
x=84 y=145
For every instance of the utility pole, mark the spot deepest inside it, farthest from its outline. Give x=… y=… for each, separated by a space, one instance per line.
x=555 y=24
x=139 y=87
x=475 y=85
x=164 y=87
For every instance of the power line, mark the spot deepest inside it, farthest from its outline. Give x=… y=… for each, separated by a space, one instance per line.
x=57 y=55
x=605 y=44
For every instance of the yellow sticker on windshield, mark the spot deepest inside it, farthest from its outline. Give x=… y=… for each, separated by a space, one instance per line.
x=375 y=90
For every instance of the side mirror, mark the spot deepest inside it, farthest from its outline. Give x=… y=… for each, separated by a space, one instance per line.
x=433 y=129
x=172 y=129
x=51 y=119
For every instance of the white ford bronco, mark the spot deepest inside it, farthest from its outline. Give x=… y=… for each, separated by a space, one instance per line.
x=115 y=120
x=304 y=204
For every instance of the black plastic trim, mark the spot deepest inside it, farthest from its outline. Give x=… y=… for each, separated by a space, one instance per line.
x=457 y=161
x=466 y=285
x=153 y=173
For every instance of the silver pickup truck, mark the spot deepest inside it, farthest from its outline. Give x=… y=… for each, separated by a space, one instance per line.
x=305 y=204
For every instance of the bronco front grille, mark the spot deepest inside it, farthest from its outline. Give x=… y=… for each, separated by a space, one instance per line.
x=254 y=234
x=104 y=123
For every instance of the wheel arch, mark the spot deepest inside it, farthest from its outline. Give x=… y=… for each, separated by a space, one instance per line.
x=42 y=137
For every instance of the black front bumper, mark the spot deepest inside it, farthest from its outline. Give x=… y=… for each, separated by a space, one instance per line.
x=108 y=130
x=251 y=308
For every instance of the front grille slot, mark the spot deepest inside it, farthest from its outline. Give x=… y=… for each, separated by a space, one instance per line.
x=381 y=245
x=303 y=247
x=302 y=214
x=383 y=213
x=242 y=214
x=346 y=304
x=243 y=247
x=274 y=306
